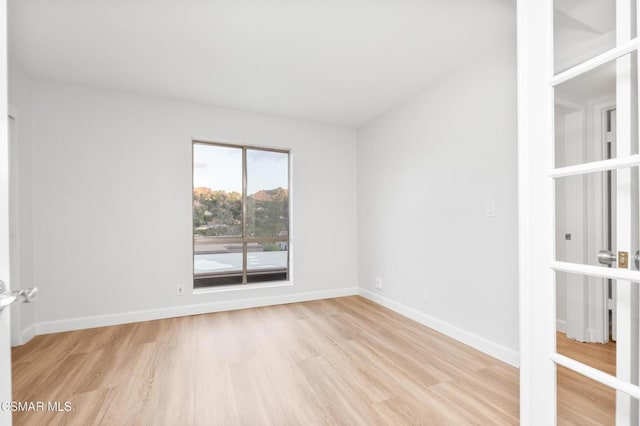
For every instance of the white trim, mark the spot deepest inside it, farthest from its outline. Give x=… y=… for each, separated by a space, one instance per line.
x=597 y=375
x=599 y=110
x=626 y=222
x=535 y=212
x=477 y=342
x=596 y=166
x=593 y=335
x=597 y=271
x=239 y=144
x=5 y=354
x=609 y=55
x=14 y=223
x=81 y=323
x=236 y=287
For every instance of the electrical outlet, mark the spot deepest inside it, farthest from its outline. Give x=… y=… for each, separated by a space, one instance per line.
x=180 y=290
x=379 y=283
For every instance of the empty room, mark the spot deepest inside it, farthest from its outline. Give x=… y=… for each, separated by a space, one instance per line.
x=388 y=212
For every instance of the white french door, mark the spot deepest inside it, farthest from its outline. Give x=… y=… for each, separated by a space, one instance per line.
x=584 y=54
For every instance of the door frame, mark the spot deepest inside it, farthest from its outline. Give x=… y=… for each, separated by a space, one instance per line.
x=586 y=310
x=14 y=220
x=5 y=329
x=535 y=133
x=536 y=175
x=599 y=240
x=574 y=218
x=602 y=110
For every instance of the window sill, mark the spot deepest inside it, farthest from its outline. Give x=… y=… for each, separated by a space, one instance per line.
x=241 y=287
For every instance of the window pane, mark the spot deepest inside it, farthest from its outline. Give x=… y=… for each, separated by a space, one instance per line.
x=229 y=236
x=219 y=264
x=267 y=194
x=588 y=315
x=217 y=193
x=585 y=215
x=582 y=30
x=267 y=256
x=586 y=116
x=267 y=262
x=217 y=259
x=585 y=321
x=583 y=401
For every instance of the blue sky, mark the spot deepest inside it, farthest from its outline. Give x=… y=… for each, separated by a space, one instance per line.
x=219 y=167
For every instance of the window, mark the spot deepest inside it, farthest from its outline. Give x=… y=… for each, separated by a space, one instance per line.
x=240 y=214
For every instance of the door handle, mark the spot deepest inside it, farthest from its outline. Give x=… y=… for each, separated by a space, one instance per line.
x=636 y=259
x=605 y=257
x=8 y=297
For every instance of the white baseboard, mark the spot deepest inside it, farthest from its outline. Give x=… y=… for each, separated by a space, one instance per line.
x=80 y=323
x=594 y=336
x=480 y=343
x=28 y=334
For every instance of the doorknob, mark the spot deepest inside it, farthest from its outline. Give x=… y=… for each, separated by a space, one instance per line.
x=605 y=257
x=8 y=297
x=636 y=259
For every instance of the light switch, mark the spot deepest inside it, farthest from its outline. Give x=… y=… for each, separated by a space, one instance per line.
x=490 y=209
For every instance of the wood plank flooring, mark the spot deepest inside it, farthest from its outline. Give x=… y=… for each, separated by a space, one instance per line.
x=582 y=401
x=338 y=361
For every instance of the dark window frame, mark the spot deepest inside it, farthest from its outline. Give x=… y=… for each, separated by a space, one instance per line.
x=247 y=276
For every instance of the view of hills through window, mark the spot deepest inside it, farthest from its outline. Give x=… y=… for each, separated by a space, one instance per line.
x=240 y=227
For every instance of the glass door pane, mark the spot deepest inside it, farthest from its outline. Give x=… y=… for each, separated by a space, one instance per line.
x=585 y=123
x=596 y=224
x=582 y=29
x=582 y=401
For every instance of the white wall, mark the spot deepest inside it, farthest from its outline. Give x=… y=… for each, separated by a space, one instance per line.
x=22 y=315
x=112 y=204
x=425 y=171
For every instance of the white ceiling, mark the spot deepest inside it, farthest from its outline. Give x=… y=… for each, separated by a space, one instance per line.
x=332 y=61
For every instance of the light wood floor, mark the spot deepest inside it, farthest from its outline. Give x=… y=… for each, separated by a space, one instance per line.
x=338 y=361
x=582 y=401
